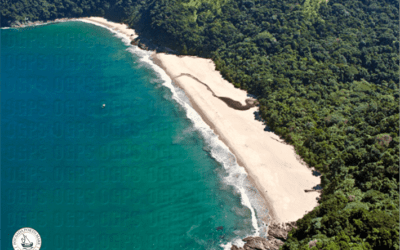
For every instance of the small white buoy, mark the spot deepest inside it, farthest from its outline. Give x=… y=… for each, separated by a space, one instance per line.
x=103 y=106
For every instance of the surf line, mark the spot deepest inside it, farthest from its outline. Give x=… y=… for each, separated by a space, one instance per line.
x=208 y=134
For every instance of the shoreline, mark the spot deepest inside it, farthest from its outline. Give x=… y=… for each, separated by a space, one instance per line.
x=272 y=165
x=285 y=176
x=271 y=211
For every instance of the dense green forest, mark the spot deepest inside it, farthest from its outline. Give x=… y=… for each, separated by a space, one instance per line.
x=326 y=73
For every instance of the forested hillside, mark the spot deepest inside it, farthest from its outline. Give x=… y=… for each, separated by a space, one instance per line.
x=326 y=73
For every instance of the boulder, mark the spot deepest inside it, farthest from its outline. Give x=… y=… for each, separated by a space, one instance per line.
x=276 y=233
x=312 y=243
x=280 y=230
x=255 y=243
x=259 y=243
x=236 y=248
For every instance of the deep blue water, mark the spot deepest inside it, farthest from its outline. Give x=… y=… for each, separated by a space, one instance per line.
x=136 y=174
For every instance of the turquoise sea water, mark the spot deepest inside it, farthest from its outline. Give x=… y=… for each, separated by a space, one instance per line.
x=137 y=174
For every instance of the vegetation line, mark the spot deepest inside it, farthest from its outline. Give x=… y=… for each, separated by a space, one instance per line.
x=326 y=76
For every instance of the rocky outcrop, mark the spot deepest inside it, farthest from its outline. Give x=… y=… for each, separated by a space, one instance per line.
x=277 y=234
x=18 y=24
x=312 y=243
x=27 y=23
x=280 y=230
x=259 y=243
x=148 y=44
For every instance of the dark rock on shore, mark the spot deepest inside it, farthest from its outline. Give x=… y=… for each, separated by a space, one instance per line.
x=277 y=234
x=147 y=44
x=280 y=230
x=259 y=243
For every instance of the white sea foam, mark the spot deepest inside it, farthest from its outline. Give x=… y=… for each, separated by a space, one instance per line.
x=237 y=176
x=236 y=242
x=125 y=38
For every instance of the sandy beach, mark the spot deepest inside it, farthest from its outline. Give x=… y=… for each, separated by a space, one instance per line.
x=117 y=27
x=271 y=164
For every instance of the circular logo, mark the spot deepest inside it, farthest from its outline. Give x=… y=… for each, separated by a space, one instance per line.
x=27 y=239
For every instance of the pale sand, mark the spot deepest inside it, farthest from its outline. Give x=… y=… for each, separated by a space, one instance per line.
x=118 y=27
x=272 y=165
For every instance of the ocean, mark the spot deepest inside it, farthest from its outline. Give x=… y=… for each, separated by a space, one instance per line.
x=141 y=172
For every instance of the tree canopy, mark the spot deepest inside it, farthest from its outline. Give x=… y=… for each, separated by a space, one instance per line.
x=326 y=74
